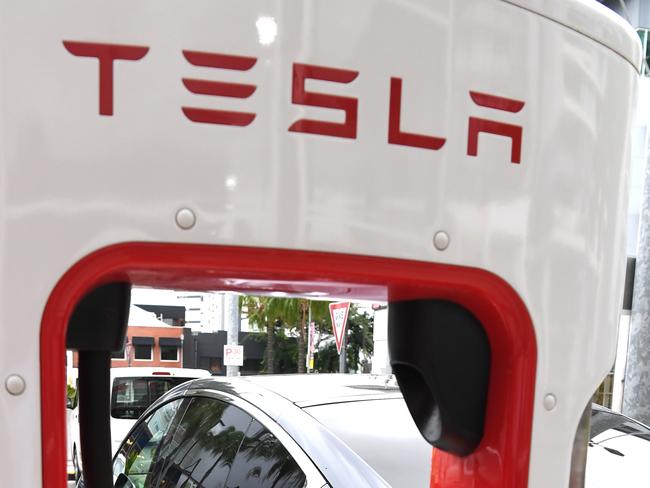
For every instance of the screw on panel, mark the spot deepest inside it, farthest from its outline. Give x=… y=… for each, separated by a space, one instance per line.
x=15 y=384
x=550 y=401
x=185 y=218
x=441 y=240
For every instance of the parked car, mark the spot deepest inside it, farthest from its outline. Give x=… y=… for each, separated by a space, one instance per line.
x=619 y=451
x=133 y=390
x=272 y=431
x=315 y=431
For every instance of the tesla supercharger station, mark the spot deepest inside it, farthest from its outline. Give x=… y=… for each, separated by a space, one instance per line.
x=464 y=161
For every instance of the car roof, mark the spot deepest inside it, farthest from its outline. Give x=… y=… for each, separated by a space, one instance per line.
x=307 y=390
x=362 y=411
x=138 y=372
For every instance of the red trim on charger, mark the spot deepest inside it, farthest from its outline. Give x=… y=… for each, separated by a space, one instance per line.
x=502 y=458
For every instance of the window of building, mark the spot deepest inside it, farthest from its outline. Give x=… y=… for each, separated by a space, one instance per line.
x=169 y=347
x=216 y=365
x=142 y=353
x=168 y=353
x=603 y=395
x=142 y=348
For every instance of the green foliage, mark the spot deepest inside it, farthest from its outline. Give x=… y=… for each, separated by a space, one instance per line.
x=71 y=396
x=359 y=347
x=286 y=354
x=285 y=321
x=326 y=360
x=359 y=339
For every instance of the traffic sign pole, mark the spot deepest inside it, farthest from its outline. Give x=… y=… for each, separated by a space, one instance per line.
x=231 y=315
x=342 y=355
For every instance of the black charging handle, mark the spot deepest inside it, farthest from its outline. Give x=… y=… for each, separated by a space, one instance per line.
x=440 y=355
x=97 y=327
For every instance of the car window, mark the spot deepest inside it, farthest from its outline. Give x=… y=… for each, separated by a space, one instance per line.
x=138 y=452
x=263 y=462
x=218 y=445
x=132 y=396
x=203 y=446
x=606 y=425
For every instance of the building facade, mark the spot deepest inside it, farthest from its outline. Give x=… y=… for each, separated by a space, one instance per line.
x=205 y=351
x=149 y=343
x=148 y=346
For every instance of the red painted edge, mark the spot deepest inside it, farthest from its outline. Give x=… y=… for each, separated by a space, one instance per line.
x=502 y=458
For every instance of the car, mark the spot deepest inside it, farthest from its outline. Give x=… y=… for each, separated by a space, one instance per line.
x=263 y=431
x=317 y=430
x=619 y=450
x=133 y=390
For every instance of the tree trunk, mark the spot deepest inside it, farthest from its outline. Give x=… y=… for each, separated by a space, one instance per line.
x=270 y=347
x=301 y=336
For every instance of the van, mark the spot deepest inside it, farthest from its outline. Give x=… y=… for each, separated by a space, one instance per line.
x=133 y=390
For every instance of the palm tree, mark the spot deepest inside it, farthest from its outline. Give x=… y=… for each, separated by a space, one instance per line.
x=262 y=312
x=274 y=312
x=296 y=311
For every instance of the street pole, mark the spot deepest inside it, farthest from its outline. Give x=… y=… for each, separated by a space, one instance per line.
x=342 y=356
x=309 y=341
x=231 y=318
x=636 y=394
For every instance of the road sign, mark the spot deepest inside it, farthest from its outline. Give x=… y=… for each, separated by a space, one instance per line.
x=312 y=338
x=233 y=355
x=339 y=316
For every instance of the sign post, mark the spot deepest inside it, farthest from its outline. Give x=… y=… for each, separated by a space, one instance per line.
x=231 y=317
x=311 y=339
x=339 y=316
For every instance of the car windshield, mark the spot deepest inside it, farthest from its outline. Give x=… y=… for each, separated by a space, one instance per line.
x=606 y=425
x=132 y=396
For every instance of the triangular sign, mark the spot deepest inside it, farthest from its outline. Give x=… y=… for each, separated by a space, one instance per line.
x=339 y=316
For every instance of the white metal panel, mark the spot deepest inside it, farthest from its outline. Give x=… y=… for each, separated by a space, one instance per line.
x=552 y=226
x=592 y=19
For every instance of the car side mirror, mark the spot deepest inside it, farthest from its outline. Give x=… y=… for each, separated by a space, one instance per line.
x=123 y=481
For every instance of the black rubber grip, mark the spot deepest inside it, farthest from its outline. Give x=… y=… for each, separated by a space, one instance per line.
x=440 y=355
x=94 y=418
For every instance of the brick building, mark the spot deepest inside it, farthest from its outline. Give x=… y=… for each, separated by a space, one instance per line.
x=149 y=343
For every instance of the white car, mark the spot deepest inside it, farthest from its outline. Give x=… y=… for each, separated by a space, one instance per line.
x=133 y=390
x=263 y=431
x=619 y=451
x=312 y=431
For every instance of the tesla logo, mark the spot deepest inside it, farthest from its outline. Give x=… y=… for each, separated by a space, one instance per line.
x=395 y=135
x=300 y=96
x=219 y=88
x=107 y=54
